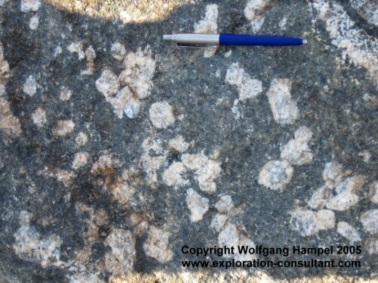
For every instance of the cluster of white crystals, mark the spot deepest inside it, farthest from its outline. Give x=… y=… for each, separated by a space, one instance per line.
x=205 y=172
x=339 y=193
x=161 y=115
x=285 y=110
x=157 y=245
x=231 y=233
x=247 y=87
x=197 y=205
x=135 y=81
x=30 y=5
x=30 y=86
x=254 y=11
x=277 y=174
x=32 y=246
x=308 y=222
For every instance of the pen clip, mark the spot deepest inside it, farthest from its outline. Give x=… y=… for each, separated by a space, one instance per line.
x=181 y=45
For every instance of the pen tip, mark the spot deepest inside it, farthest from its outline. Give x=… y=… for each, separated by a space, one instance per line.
x=304 y=41
x=167 y=37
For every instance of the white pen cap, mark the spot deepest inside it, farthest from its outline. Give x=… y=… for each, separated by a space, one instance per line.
x=193 y=38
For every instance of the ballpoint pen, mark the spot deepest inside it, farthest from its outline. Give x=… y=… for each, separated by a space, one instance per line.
x=203 y=40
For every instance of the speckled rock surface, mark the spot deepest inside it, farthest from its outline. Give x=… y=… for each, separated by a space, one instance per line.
x=117 y=149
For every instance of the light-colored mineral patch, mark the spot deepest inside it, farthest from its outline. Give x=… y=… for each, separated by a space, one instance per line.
x=229 y=237
x=90 y=54
x=225 y=204
x=2 y=2
x=150 y=165
x=2 y=88
x=284 y=108
x=140 y=223
x=118 y=51
x=9 y=125
x=325 y=219
x=373 y=194
x=366 y=155
x=124 y=187
x=172 y=176
x=355 y=44
x=197 y=205
x=105 y=165
x=372 y=245
x=320 y=197
x=32 y=246
x=83 y=277
x=233 y=236
x=81 y=139
x=276 y=174
x=156 y=245
x=247 y=87
x=64 y=127
x=77 y=47
x=59 y=174
x=125 y=102
x=206 y=170
x=227 y=54
x=348 y=231
x=178 y=144
x=218 y=222
x=108 y=84
x=208 y=25
x=154 y=144
x=132 y=106
x=139 y=71
x=297 y=151
x=283 y=22
x=338 y=193
x=334 y=174
x=304 y=221
x=367 y=9
x=254 y=12
x=346 y=193
x=235 y=109
x=120 y=261
x=39 y=117
x=226 y=210
x=58 y=50
x=81 y=158
x=34 y=21
x=30 y=5
x=308 y=222
x=369 y=220
x=30 y=86
x=4 y=69
x=135 y=80
x=65 y=93
x=161 y=115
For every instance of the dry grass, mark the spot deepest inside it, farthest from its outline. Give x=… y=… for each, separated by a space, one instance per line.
x=128 y=11
x=234 y=277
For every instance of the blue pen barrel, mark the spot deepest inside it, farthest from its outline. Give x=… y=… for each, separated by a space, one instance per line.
x=258 y=40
